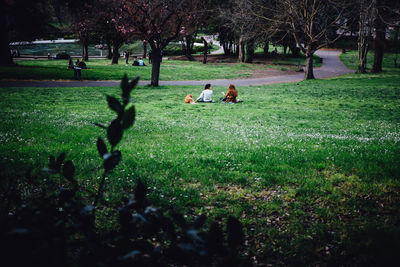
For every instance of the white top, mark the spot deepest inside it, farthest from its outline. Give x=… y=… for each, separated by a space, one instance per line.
x=141 y=62
x=206 y=95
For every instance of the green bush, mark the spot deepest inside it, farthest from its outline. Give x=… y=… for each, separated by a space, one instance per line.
x=63 y=55
x=177 y=50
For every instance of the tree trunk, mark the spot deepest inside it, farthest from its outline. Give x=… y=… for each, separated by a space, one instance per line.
x=362 y=53
x=309 y=74
x=380 y=31
x=188 y=47
x=250 y=51
x=364 y=31
x=294 y=49
x=205 y=52
x=362 y=57
x=85 y=50
x=5 y=55
x=144 y=49
x=226 y=48
x=396 y=44
x=225 y=44
x=116 y=46
x=241 y=49
x=109 y=50
x=156 y=64
x=266 y=47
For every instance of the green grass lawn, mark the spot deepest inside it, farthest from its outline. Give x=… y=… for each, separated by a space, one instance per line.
x=101 y=69
x=350 y=60
x=311 y=169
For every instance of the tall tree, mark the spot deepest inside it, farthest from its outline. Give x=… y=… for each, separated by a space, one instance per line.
x=158 y=22
x=205 y=51
x=312 y=23
x=200 y=19
x=218 y=23
x=238 y=18
x=115 y=13
x=366 y=9
x=84 y=25
x=187 y=45
x=387 y=14
x=82 y=19
x=380 y=36
x=21 y=20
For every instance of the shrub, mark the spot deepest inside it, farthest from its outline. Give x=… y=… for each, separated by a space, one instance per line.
x=45 y=221
x=63 y=55
x=177 y=50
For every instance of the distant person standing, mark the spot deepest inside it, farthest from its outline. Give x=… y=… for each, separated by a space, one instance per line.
x=126 y=57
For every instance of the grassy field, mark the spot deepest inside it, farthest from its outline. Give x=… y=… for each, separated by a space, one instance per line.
x=350 y=60
x=101 y=69
x=311 y=169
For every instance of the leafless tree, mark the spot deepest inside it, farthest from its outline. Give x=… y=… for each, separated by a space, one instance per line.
x=158 y=22
x=239 y=18
x=312 y=23
x=365 y=24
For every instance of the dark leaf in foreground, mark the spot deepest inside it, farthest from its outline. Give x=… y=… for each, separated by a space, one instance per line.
x=180 y=220
x=114 y=104
x=215 y=238
x=124 y=86
x=140 y=192
x=60 y=160
x=200 y=221
x=133 y=83
x=87 y=209
x=101 y=147
x=128 y=117
x=127 y=88
x=69 y=170
x=52 y=162
x=168 y=226
x=235 y=232
x=111 y=160
x=66 y=195
x=114 y=132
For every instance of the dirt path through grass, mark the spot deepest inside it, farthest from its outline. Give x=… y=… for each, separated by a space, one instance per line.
x=332 y=66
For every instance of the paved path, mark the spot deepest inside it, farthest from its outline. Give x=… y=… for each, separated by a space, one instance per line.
x=332 y=66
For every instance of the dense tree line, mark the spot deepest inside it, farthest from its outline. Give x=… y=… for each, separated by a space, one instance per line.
x=298 y=25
